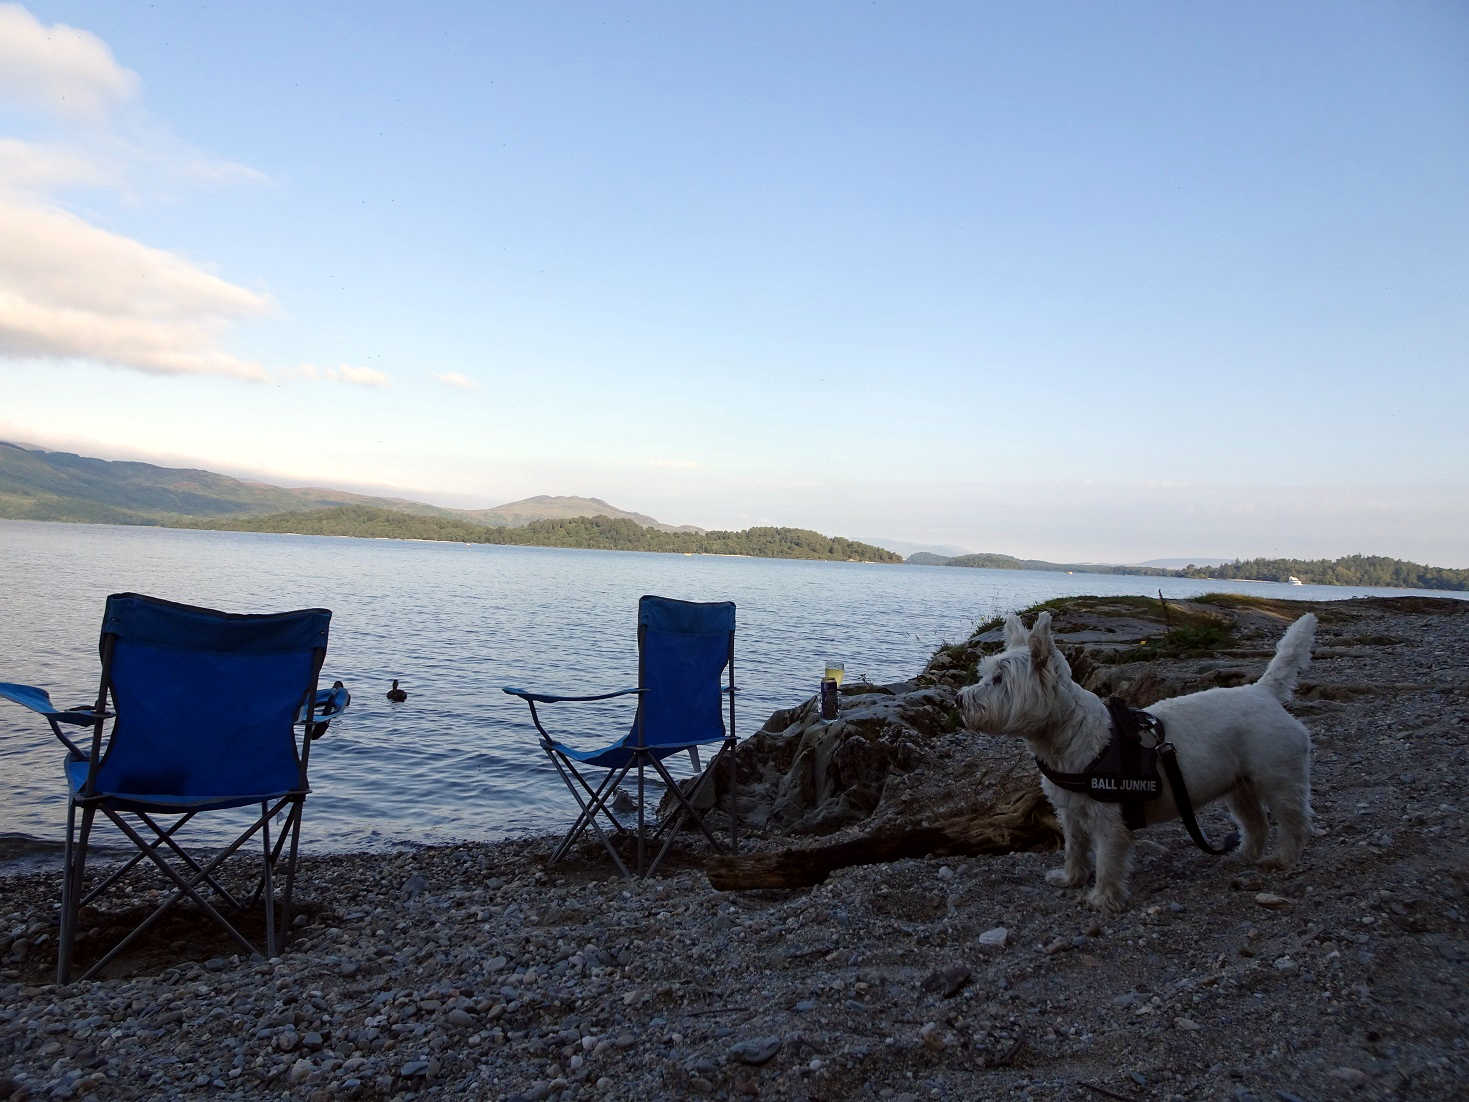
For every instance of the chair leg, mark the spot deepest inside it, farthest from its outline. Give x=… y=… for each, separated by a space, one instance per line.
x=267 y=886
x=728 y=751
x=74 y=862
x=590 y=807
x=686 y=808
x=288 y=897
x=185 y=889
x=641 y=827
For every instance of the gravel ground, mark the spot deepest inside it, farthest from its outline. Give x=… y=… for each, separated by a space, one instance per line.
x=474 y=971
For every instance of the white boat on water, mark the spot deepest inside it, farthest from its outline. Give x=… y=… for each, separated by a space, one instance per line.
x=1293 y=580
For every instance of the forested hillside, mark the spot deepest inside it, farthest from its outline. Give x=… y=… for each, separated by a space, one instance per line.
x=605 y=533
x=1349 y=570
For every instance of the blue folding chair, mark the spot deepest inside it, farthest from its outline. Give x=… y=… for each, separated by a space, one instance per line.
x=205 y=706
x=685 y=650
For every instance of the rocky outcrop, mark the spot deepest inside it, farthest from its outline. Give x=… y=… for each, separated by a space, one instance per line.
x=898 y=756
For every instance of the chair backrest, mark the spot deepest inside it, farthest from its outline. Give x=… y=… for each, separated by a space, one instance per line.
x=205 y=701
x=683 y=649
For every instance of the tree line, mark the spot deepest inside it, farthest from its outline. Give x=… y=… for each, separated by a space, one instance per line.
x=1363 y=570
x=599 y=533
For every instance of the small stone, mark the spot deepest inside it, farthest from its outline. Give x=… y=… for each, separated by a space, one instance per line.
x=1351 y=1077
x=931 y=1036
x=947 y=982
x=996 y=938
x=287 y=1039
x=946 y=873
x=1187 y=1024
x=301 y=1070
x=1284 y=964
x=1271 y=900
x=460 y=1017
x=413 y=887
x=755 y=1051
x=413 y=1067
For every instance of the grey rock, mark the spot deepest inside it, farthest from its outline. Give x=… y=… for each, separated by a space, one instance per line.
x=755 y=1050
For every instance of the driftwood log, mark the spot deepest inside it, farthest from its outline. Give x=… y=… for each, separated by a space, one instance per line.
x=1025 y=823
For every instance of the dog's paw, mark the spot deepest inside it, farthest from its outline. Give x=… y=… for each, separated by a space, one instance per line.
x=1108 y=901
x=1064 y=879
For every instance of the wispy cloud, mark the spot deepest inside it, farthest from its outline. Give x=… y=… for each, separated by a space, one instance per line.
x=34 y=168
x=61 y=69
x=455 y=379
x=71 y=290
x=347 y=373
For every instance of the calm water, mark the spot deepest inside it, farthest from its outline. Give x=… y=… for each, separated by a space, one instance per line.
x=454 y=623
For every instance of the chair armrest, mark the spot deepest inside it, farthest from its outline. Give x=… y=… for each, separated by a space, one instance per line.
x=327 y=705
x=548 y=698
x=39 y=700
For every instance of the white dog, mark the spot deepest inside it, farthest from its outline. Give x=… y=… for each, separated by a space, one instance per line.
x=1237 y=742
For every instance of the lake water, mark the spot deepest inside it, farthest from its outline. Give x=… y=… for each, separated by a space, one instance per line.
x=454 y=623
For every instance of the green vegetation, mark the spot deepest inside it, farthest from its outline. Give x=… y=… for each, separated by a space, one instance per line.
x=603 y=533
x=1373 y=570
x=1009 y=562
x=1363 y=570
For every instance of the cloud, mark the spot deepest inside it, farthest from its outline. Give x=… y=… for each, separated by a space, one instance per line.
x=33 y=168
x=454 y=379
x=73 y=291
x=346 y=373
x=69 y=290
x=61 y=69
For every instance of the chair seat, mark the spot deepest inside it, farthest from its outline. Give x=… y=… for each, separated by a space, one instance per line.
x=76 y=777
x=624 y=751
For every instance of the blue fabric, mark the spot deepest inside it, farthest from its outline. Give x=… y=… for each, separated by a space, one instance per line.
x=620 y=753
x=143 y=619
x=684 y=649
x=205 y=702
x=37 y=700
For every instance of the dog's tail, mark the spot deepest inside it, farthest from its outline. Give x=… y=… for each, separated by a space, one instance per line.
x=1292 y=656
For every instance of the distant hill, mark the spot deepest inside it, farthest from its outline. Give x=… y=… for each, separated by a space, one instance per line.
x=1363 y=570
x=599 y=532
x=547 y=507
x=44 y=485
x=1010 y=562
x=1179 y=564
x=908 y=550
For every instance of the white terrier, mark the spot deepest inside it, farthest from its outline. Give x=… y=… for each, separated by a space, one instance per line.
x=1236 y=742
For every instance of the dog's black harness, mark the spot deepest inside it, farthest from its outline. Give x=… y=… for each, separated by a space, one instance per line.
x=1126 y=773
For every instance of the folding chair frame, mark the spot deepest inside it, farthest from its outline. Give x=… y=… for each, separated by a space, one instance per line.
x=75 y=896
x=593 y=801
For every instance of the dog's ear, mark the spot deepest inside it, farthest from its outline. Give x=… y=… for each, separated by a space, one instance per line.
x=1015 y=633
x=1041 y=646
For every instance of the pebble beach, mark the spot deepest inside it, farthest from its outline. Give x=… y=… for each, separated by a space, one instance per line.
x=477 y=971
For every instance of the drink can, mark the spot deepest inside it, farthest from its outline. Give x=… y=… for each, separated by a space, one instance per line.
x=829 y=700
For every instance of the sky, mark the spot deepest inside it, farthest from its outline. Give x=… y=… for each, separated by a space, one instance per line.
x=1062 y=280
